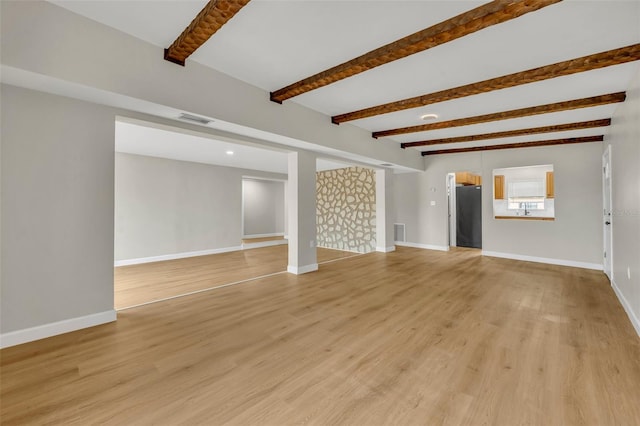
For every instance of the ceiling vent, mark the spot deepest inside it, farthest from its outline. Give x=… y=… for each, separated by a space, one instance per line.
x=195 y=118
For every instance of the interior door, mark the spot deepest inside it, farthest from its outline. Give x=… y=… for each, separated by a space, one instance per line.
x=606 y=212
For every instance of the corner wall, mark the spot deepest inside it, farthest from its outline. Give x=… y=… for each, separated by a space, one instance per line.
x=624 y=139
x=346 y=209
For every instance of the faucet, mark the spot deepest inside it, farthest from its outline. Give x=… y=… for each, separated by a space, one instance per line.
x=526 y=212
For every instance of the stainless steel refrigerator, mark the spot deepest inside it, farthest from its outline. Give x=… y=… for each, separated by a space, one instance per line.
x=469 y=216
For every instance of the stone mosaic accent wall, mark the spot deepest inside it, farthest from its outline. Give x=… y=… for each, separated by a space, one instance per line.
x=346 y=209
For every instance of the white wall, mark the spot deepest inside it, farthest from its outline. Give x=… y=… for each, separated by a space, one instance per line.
x=165 y=207
x=624 y=139
x=574 y=236
x=57 y=209
x=263 y=211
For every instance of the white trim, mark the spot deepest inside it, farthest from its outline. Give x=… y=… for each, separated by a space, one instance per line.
x=249 y=246
x=299 y=270
x=277 y=234
x=562 y=262
x=18 y=337
x=174 y=256
x=422 y=246
x=386 y=249
x=627 y=307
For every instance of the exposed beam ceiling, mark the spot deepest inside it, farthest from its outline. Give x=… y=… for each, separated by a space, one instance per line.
x=520 y=132
x=585 y=139
x=505 y=115
x=492 y=13
x=210 y=19
x=559 y=69
x=495 y=72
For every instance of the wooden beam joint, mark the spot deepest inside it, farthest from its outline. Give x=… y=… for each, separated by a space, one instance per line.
x=209 y=20
x=510 y=133
x=481 y=17
x=550 y=142
x=505 y=115
x=586 y=63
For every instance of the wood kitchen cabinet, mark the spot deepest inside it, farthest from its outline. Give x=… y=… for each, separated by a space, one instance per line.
x=498 y=187
x=550 y=186
x=466 y=178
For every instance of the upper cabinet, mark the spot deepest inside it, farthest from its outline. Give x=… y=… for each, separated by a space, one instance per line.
x=498 y=187
x=550 y=187
x=468 y=178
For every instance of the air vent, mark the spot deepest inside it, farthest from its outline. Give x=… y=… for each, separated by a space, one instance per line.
x=386 y=165
x=194 y=118
x=399 y=232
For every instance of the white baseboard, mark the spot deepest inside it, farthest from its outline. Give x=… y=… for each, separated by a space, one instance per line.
x=627 y=307
x=249 y=246
x=277 y=234
x=174 y=256
x=299 y=270
x=386 y=249
x=561 y=262
x=18 y=337
x=422 y=246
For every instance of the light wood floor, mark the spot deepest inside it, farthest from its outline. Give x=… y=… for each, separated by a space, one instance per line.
x=413 y=337
x=147 y=282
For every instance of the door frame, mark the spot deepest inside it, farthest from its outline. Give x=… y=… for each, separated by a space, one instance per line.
x=451 y=206
x=607 y=222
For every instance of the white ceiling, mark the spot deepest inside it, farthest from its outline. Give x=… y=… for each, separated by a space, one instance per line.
x=272 y=43
x=154 y=142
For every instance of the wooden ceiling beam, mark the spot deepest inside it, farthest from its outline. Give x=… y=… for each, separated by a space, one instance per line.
x=211 y=18
x=585 y=139
x=573 y=66
x=484 y=16
x=506 y=115
x=509 y=133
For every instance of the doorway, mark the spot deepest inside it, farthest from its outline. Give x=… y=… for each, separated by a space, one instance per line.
x=606 y=212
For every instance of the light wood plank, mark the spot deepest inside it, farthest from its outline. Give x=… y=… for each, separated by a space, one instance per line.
x=409 y=337
x=148 y=282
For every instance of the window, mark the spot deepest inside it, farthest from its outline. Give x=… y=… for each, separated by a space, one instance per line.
x=524 y=192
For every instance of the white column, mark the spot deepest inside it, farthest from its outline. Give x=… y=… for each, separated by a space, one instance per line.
x=301 y=192
x=384 y=216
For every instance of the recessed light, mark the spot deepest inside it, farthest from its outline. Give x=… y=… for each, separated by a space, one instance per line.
x=229 y=152
x=429 y=116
